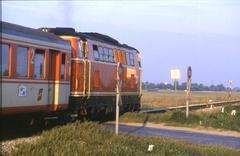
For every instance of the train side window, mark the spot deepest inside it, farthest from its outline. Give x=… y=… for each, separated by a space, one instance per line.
x=39 y=64
x=4 y=59
x=131 y=59
x=101 y=54
x=106 y=54
x=128 y=58
x=63 y=65
x=111 y=56
x=22 y=59
x=95 y=52
x=80 y=54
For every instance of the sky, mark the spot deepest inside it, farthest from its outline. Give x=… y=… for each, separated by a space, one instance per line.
x=204 y=34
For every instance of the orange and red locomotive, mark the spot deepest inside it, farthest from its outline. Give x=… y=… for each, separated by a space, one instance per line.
x=58 y=69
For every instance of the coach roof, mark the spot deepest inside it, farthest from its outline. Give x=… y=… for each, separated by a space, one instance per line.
x=21 y=31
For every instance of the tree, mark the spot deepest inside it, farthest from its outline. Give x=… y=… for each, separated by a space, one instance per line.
x=195 y=86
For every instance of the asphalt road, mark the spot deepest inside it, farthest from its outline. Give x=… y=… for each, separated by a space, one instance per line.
x=194 y=137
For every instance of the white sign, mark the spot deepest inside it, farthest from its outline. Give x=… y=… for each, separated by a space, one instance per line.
x=22 y=90
x=175 y=74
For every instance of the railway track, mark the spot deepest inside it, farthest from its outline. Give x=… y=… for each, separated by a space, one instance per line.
x=191 y=107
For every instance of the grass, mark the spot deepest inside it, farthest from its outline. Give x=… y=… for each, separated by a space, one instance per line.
x=172 y=98
x=214 y=119
x=91 y=138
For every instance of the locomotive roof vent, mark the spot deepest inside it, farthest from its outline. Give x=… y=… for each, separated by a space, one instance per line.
x=64 y=29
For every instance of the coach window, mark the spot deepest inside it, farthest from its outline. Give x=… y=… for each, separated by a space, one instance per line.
x=4 y=59
x=111 y=56
x=22 y=58
x=80 y=55
x=131 y=59
x=39 y=64
x=106 y=54
x=101 y=54
x=95 y=52
x=63 y=69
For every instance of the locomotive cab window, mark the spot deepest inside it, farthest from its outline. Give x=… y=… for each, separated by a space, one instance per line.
x=39 y=64
x=131 y=59
x=80 y=53
x=128 y=58
x=63 y=67
x=22 y=60
x=4 y=59
x=95 y=52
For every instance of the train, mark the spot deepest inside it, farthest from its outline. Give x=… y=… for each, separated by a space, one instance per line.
x=56 y=70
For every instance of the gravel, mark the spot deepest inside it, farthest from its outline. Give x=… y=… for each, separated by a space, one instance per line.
x=10 y=145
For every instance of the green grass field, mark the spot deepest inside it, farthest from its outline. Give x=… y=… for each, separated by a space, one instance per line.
x=213 y=119
x=172 y=98
x=92 y=139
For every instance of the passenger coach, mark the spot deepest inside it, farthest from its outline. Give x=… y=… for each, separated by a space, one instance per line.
x=35 y=70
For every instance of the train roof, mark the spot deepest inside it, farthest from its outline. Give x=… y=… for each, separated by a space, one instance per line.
x=87 y=35
x=106 y=39
x=21 y=31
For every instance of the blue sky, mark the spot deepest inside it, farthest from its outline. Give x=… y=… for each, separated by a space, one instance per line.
x=169 y=33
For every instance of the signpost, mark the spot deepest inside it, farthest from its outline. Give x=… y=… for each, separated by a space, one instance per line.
x=175 y=75
x=118 y=86
x=188 y=88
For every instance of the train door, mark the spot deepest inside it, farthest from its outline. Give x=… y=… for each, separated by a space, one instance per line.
x=54 y=77
x=80 y=71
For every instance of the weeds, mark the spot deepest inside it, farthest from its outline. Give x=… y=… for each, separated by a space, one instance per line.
x=207 y=119
x=93 y=139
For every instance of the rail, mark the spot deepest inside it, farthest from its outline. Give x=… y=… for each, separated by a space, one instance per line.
x=191 y=107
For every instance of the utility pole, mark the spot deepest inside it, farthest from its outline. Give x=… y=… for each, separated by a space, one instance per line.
x=118 y=85
x=175 y=85
x=188 y=88
x=229 y=89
